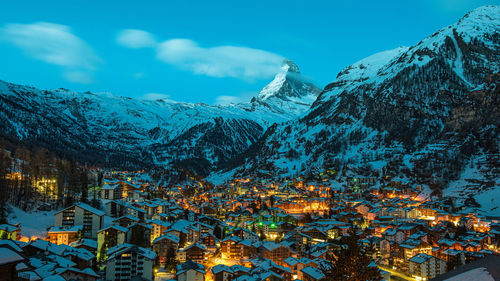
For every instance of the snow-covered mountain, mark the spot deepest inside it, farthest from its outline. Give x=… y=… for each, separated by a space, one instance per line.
x=428 y=114
x=289 y=94
x=101 y=127
x=422 y=113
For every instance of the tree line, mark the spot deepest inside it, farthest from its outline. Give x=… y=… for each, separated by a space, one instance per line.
x=36 y=178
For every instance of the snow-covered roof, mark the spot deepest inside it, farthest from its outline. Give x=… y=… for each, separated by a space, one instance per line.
x=115 y=251
x=117 y=227
x=168 y=236
x=8 y=256
x=420 y=258
x=84 y=242
x=11 y=244
x=86 y=207
x=190 y=265
x=63 y=228
x=314 y=273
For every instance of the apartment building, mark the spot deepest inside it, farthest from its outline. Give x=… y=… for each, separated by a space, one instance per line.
x=127 y=261
x=427 y=266
x=90 y=218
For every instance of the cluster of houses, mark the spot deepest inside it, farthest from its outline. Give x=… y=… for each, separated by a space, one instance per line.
x=245 y=232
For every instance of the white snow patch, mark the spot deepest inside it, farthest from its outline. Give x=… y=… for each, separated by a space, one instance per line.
x=33 y=224
x=478 y=274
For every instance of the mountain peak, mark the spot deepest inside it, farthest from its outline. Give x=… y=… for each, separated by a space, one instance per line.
x=488 y=12
x=288 y=83
x=289 y=66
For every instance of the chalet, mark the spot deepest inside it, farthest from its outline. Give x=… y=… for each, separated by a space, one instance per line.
x=64 y=234
x=190 y=271
x=275 y=252
x=312 y=274
x=394 y=235
x=362 y=208
x=125 y=220
x=230 y=248
x=9 y=259
x=139 y=233
x=87 y=244
x=209 y=240
x=8 y=231
x=162 y=244
x=247 y=250
x=296 y=265
x=70 y=273
x=450 y=244
x=411 y=247
x=194 y=252
x=222 y=272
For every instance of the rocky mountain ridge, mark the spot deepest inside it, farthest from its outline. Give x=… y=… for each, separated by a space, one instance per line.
x=411 y=113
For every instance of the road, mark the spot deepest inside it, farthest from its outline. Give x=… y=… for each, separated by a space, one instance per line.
x=397 y=274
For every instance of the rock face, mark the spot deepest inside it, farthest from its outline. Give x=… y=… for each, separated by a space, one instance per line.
x=123 y=132
x=289 y=94
x=421 y=113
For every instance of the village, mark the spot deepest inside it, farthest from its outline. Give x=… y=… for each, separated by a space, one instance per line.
x=250 y=229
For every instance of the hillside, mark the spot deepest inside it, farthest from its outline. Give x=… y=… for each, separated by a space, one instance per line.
x=420 y=114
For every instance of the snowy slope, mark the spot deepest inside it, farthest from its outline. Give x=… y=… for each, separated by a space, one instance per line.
x=102 y=127
x=416 y=114
x=289 y=94
x=467 y=47
x=33 y=224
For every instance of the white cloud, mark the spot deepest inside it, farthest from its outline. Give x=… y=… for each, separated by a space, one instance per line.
x=155 y=96
x=78 y=77
x=138 y=75
x=53 y=44
x=135 y=38
x=225 y=100
x=219 y=61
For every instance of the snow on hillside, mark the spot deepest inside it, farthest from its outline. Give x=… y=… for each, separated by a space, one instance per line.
x=151 y=132
x=480 y=25
x=479 y=274
x=402 y=113
x=472 y=182
x=33 y=224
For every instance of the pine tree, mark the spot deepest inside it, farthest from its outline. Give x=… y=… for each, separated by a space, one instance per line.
x=182 y=240
x=5 y=163
x=102 y=252
x=137 y=237
x=84 y=186
x=170 y=261
x=453 y=262
x=352 y=263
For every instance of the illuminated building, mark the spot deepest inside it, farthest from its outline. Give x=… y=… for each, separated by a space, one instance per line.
x=425 y=267
x=81 y=214
x=64 y=235
x=126 y=261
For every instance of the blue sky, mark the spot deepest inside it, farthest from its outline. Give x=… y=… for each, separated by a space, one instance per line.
x=203 y=51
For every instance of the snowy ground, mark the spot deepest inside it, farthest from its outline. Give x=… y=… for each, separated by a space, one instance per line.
x=36 y=223
x=33 y=224
x=467 y=185
x=479 y=274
